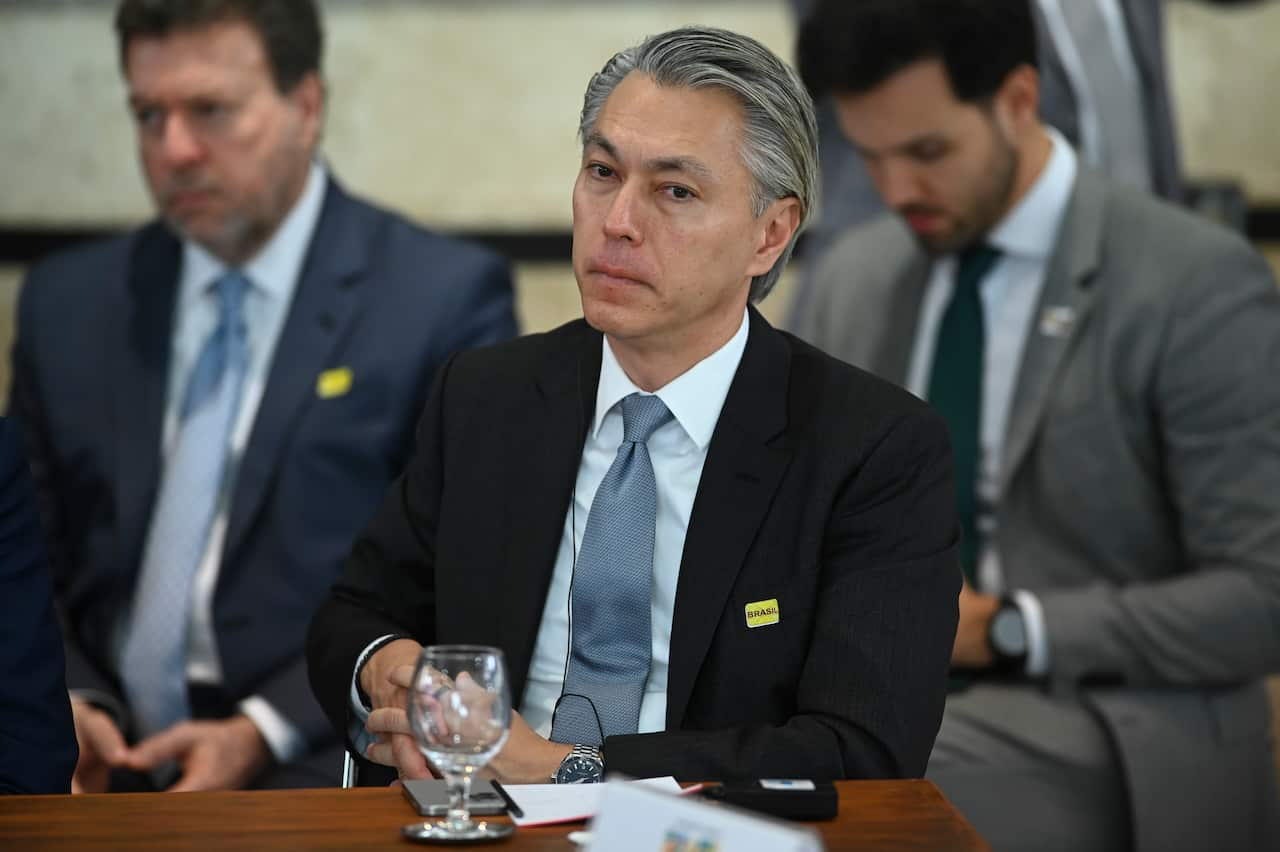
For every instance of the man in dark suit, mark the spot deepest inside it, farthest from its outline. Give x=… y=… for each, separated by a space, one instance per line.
x=1107 y=366
x=240 y=388
x=37 y=740
x=760 y=540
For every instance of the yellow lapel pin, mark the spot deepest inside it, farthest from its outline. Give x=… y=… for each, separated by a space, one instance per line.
x=762 y=613
x=334 y=383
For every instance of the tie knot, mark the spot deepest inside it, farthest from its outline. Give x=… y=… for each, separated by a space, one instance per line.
x=975 y=262
x=641 y=417
x=231 y=288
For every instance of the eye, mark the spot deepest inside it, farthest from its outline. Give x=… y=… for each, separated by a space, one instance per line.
x=600 y=170
x=208 y=110
x=679 y=193
x=930 y=151
x=148 y=118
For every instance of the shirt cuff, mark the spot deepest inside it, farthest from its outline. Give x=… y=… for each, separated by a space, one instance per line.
x=356 y=732
x=104 y=701
x=285 y=741
x=1037 y=634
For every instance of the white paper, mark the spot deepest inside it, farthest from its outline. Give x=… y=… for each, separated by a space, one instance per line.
x=545 y=804
x=634 y=819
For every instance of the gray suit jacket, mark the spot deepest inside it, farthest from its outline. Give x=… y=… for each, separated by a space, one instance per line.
x=1141 y=487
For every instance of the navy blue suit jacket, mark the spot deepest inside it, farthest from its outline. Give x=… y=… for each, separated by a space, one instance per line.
x=37 y=740
x=377 y=295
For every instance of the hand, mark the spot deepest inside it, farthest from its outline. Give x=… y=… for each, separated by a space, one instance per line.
x=385 y=678
x=223 y=754
x=102 y=748
x=526 y=758
x=972 y=649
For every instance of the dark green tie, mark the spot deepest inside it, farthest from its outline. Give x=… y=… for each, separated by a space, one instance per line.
x=955 y=388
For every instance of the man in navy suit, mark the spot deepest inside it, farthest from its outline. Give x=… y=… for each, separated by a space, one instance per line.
x=215 y=403
x=37 y=742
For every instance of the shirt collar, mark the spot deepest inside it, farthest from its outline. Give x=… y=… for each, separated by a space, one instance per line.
x=274 y=270
x=694 y=398
x=1030 y=229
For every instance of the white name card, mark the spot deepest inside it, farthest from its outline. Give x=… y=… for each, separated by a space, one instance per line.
x=632 y=818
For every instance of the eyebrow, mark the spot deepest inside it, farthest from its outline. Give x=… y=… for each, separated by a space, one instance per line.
x=904 y=147
x=689 y=165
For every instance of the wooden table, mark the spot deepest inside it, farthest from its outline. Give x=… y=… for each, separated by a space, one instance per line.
x=873 y=815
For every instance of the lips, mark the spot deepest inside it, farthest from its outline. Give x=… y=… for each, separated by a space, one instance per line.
x=923 y=223
x=615 y=274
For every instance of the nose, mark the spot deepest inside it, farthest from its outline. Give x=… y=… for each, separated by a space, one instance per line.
x=622 y=220
x=178 y=143
x=899 y=184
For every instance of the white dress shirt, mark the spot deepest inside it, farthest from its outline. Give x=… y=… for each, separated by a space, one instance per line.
x=273 y=277
x=678 y=451
x=1010 y=293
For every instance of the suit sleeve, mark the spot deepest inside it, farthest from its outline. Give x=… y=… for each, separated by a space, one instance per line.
x=1216 y=399
x=873 y=683
x=27 y=408
x=37 y=738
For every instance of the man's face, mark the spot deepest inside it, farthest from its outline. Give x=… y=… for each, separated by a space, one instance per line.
x=225 y=154
x=664 y=239
x=944 y=165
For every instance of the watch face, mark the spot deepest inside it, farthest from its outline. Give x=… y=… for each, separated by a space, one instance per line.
x=1009 y=633
x=579 y=770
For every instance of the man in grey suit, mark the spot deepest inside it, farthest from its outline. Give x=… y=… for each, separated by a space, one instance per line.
x=1103 y=84
x=1107 y=365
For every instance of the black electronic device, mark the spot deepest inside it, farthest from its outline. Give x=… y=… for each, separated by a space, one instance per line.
x=796 y=799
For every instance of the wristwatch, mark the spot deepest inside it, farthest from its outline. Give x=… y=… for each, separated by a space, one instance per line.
x=583 y=765
x=1007 y=636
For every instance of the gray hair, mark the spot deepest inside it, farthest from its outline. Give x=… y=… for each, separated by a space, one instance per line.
x=780 y=136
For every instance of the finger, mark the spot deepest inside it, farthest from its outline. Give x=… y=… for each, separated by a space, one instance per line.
x=169 y=744
x=408 y=759
x=381 y=753
x=401 y=676
x=99 y=735
x=388 y=720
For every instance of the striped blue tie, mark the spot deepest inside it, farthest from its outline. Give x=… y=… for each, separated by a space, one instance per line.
x=612 y=590
x=153 y=661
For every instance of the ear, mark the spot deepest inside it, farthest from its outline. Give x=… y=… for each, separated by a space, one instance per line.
x=775 y=227
x=1017 y=101
x=308 y=97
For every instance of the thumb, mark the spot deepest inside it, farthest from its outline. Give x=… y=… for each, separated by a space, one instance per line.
x=167 y=745
x=104 y=738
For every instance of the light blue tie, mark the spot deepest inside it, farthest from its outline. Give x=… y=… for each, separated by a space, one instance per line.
x=612 y=590
x=153 y=661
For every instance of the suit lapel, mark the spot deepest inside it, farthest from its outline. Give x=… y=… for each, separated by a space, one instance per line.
x=325 y=303
x=1061 y=314
x=544 y=454
x=140 y=380
x=744 y=466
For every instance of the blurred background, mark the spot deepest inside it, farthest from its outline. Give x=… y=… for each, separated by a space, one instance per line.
x=462 y=115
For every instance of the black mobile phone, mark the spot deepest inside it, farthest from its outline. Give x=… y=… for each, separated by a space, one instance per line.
x=798 y=799
x=430 y=797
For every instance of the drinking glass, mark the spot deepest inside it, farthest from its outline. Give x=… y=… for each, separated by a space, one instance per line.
x=460 y=714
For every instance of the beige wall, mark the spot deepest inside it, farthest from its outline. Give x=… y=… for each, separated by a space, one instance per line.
x=463 y=113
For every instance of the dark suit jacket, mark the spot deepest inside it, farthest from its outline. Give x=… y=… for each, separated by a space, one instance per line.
x=824 y=487
x=377 y=295
x=37 y=740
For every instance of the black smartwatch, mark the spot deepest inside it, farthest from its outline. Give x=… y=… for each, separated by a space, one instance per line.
x=583 y=765
x=1007 y=636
